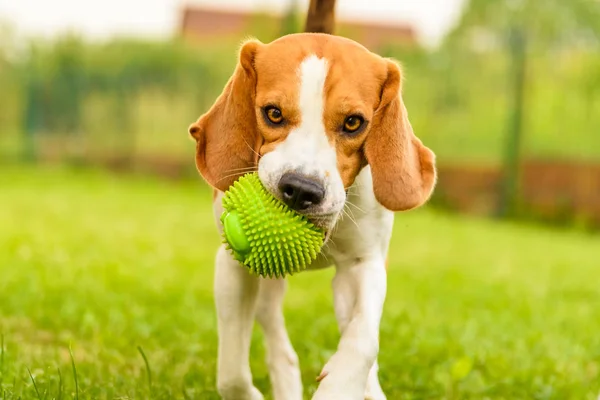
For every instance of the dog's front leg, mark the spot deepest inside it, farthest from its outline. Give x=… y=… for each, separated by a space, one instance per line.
x=281 y=357
x=235 y=297
x=359 y=293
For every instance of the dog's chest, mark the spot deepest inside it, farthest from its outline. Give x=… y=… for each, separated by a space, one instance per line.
x=364 y=227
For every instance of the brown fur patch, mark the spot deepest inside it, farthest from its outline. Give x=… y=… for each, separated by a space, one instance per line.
x=233 y=132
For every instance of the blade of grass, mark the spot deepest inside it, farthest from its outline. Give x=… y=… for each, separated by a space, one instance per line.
x=74 y=373
x=1 y=359
x=148 y=372
x=186 y=396
x=59 y=397
x=34 y=384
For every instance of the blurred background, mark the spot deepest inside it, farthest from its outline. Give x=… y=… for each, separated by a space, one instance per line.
x=107 y=238
x=507 y=93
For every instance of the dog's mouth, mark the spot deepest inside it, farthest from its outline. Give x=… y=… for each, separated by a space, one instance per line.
x=322 y=216
x=322 y=221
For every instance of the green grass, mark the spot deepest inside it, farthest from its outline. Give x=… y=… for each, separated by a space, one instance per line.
x=119 y=270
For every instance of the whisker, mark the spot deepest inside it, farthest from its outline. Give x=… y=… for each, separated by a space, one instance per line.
x=241 y=169
x=230 y=175
x=351 y=219
x=330 y=241
x=347 y=209
x=250 y=147
x=355 y=206
x=355 y=185
x=323 y=253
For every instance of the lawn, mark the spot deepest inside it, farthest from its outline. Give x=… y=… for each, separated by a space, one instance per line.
x=104 y=266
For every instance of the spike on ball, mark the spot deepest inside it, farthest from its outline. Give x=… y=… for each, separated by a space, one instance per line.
x=265 y=235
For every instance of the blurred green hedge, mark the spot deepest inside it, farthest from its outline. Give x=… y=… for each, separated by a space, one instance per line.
x=121 y=96
x=70 y=96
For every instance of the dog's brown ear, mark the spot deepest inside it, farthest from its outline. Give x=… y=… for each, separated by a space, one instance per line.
x=227 y=139
x=403 y=169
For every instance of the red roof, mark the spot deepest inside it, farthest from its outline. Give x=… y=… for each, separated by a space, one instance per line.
x=200 y=23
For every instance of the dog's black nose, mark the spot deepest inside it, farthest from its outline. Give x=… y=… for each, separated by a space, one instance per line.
x=299 y=192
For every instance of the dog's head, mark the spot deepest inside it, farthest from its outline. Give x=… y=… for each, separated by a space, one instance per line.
x=309 y=111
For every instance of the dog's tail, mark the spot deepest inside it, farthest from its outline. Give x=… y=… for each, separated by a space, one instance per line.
x=321 y=16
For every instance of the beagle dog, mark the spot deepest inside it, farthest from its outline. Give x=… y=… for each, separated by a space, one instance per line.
x=322 y=120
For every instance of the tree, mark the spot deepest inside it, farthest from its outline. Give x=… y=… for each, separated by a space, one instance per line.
x=519 y=28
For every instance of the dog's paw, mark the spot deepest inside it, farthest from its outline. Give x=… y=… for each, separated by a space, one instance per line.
x=240 y=393
x=375 y=394
x=374 y=391
x=339 y=380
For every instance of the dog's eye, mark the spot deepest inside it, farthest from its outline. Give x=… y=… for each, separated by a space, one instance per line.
x=353 y=123
x=273 y=115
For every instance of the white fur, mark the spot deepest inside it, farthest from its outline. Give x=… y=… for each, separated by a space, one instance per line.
x=358 y=247
x=306 y=150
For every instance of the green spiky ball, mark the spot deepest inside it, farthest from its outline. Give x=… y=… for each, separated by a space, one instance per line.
x=265 y=235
